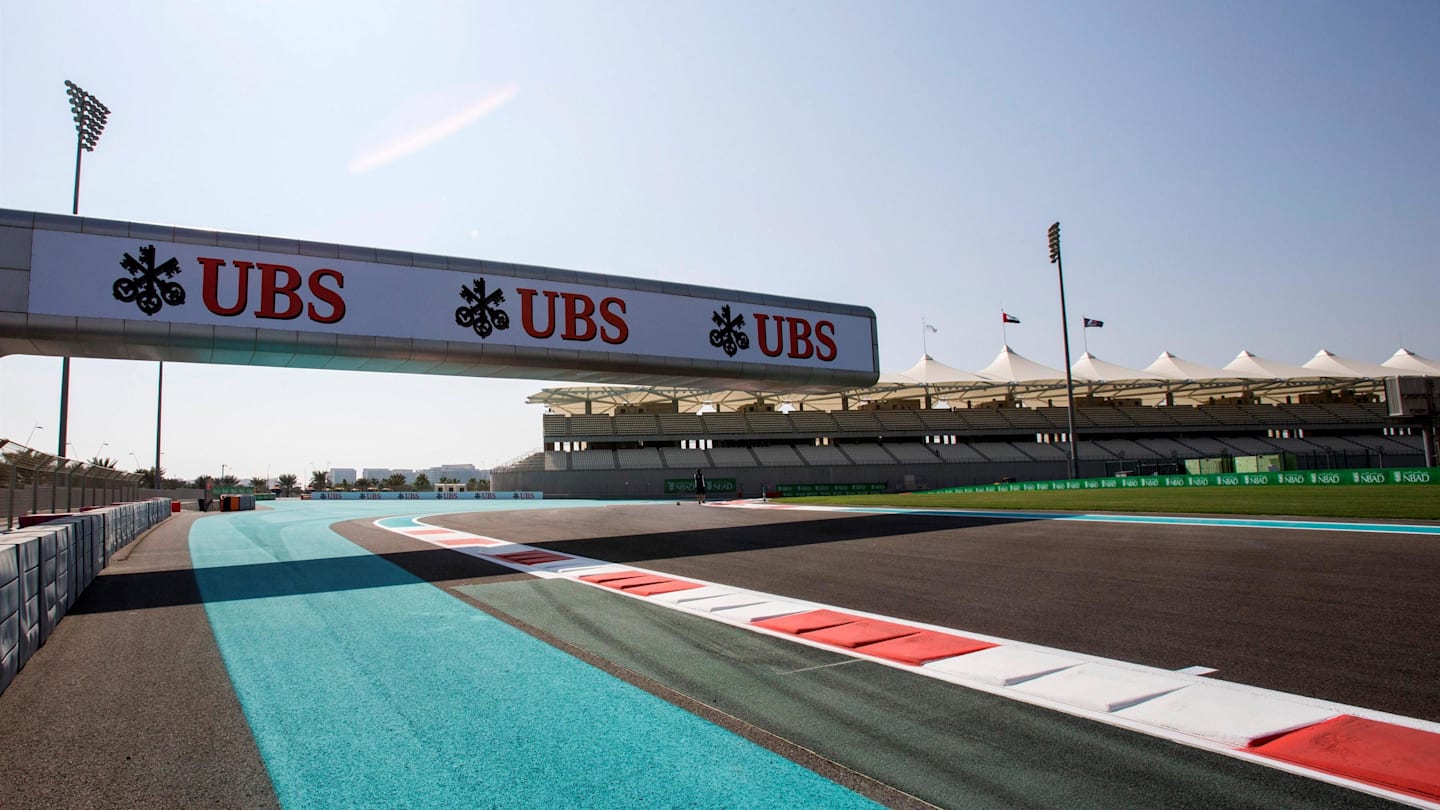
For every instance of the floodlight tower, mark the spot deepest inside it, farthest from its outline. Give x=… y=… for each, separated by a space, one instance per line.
x=90 y=117
x=1065 y=331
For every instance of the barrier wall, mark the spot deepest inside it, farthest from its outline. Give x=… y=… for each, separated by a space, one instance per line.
x=1369 y=477
x=44 y=568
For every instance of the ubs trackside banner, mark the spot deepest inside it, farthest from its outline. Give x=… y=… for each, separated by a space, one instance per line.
x=92 y=276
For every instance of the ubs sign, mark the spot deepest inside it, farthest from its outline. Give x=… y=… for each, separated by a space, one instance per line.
x=534 y=311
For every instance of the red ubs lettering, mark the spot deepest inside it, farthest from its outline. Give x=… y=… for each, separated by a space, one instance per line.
x=796 y=337
x=578 y=320
x=279 y=297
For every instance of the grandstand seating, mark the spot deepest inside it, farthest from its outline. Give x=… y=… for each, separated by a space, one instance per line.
x=1249 y=446
x=592 y=460
x=984 y=443
x=1041 y=451
x=642 y=458
x=822 y=455
x=816 y=423
x=777 y=455
x=636 y=425
x=724 y=423
x=998 y=451
x=867 y=453
x=769 y=423
x=686 y=425
x=677 y=458
x=732 y=457
x=912 y=453
x=959 y=454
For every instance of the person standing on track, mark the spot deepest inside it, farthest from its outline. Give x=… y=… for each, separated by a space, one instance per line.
x=699 y=486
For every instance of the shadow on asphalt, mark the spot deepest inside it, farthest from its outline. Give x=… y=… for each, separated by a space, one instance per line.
x=144 y=590
x=629 y=548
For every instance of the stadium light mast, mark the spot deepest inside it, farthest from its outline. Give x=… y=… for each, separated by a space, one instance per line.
x=1065 y=332
x=90 y=116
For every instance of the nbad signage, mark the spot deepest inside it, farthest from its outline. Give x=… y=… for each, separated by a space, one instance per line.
x=93 y=276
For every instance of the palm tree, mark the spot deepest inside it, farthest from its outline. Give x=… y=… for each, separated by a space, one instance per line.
x=259 y=483
x=287 y=482
x=319 y=480
x=107 y=463
x=228 y=480
x=396 y=482
x=422 y=483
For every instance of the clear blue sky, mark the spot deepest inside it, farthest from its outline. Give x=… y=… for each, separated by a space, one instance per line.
x=1229 y=175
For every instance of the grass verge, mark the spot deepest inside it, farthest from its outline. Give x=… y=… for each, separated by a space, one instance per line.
x=1400 y=501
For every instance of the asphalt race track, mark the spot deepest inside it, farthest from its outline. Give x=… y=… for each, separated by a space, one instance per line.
x=1344 y=617
x=182 y=675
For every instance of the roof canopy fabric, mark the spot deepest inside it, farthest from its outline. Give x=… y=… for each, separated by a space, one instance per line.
x=1409 y=362
x=1090 y=367
x=1329 y=364
x=1013 y=377
x=1247 y=364
x=1009 y=366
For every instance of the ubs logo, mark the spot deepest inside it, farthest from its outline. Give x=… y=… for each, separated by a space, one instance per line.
x=149 y=286
x=481 y=310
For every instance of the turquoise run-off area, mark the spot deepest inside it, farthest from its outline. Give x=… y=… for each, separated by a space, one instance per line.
x=367 y=687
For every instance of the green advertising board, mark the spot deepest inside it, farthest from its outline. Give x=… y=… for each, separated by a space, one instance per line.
x=1407 y=475
x=805 y=490
x=686 y=486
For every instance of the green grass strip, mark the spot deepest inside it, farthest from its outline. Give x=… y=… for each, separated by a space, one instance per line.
x=1396 y=501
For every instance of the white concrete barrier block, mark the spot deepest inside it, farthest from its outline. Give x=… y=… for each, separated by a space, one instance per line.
x=768 y=609
x=1005 y=665
x=1235 y=717
x=694 y=594
x=1101 y=687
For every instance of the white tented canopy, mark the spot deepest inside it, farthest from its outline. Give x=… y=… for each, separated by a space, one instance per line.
x=1246 y=364
x=1329 y=364
x=1093 y=369
x=1010 y=367
x=1014 y=377
x=1170 y=367
x=1409 y=362
x=930 y=371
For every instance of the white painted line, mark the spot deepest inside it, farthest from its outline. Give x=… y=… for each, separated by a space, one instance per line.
x=1197 y=670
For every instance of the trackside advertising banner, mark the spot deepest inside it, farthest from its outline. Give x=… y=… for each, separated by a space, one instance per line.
x=686 y=486
x=427 y=496
x=92 y=276
x=1411 y=475
x=802 y=490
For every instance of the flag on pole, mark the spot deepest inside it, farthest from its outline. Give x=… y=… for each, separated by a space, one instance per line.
x=1006 y=317
x=1089 y=322
x=931 y=328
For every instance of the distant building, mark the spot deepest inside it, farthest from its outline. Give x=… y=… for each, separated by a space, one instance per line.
x=342 y=475
x=459 y=472
x=375 y=473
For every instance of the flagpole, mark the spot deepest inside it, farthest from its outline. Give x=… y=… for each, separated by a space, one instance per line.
x=1004 y=333
x=924 y=341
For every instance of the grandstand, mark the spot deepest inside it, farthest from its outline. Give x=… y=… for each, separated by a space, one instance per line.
x=934 y=426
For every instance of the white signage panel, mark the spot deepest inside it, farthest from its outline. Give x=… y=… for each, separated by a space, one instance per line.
x=91 y=276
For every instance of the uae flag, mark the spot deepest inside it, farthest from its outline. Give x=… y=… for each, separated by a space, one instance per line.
x=1089 y=322
x=1006 y=317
